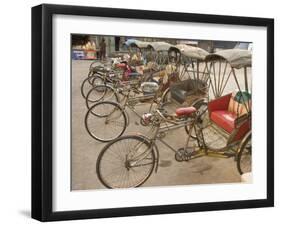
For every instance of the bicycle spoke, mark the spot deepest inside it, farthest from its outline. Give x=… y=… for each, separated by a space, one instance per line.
x=121 y=171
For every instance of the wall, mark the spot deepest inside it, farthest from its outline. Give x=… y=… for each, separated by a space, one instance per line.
x=15 y=112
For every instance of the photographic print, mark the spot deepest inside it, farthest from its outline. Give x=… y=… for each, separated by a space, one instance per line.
x=150 y=111
x=140 y=112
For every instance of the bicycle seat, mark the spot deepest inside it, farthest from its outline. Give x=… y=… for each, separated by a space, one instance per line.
x=185 y=111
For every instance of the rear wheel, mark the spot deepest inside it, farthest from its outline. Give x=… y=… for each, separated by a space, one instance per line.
x=202 y=120
x=244 y=157
x=125 y=162
x=166 y=97
x=105 y=121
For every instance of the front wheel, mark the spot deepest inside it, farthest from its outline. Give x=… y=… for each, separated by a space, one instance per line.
x=244 y=157
x=101 y=93
x=89 y=82
x=105 y=121
x=125 y=162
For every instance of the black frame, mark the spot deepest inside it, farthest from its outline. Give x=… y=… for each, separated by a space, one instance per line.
x=42 y=111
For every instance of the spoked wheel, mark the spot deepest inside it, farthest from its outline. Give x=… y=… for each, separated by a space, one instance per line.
x=105 y=121
x=125 y=162
x=86 y=86
x=166 y=97
x=98 y=80
x=168 y=104
x=95 y=64
x=90 y=82
x=202 y=108
x=244 y=158
x=101 y=93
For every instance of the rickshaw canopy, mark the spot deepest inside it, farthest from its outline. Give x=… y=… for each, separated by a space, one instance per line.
x=160 y=46
x=129 y=42
x=237 y=58
x=140 y=44
x=191 y=51
x=136 y=43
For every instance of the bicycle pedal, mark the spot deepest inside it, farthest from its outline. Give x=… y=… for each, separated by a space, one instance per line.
x=161 y=135
x=184 y=154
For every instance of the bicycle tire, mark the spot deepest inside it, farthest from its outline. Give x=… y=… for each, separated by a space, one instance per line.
x=241 y=152
x=88 y=82
x=97 y=123
x=100 y=166
x=101 y=93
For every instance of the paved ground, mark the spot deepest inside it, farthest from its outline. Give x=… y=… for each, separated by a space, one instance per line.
x=85 y=150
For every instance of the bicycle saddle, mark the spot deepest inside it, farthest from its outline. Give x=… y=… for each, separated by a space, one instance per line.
x=185 y=111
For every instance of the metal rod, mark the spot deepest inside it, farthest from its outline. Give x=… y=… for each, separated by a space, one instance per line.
x=236 y=80
x=197 y=65
x=224 y=72
x=188 y=73
x=204 y=74
x=194 y=74
x=219 y=80
x=211 y=83
x=215 y=80
x=221 y=92
x=166 y=144
x=246 y=79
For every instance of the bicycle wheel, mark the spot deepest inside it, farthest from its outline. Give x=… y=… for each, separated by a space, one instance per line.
x=166 y=96
x=202 y=108
x=244 y=158
x=125 y=162
x=101 y=93
x=105 y=121
x=98 y=80
x=88 y=83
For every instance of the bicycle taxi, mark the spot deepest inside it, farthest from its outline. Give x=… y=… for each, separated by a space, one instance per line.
x=223 y=130
x=115 y=118
x=122 y=65
x=193 y=75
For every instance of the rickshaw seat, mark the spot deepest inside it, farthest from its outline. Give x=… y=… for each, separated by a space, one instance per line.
x=185 y=111
x=224 y=111
x=224 y=119
x=121 y=65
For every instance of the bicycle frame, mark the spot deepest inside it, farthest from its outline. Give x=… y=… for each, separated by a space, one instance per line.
x=158 y=136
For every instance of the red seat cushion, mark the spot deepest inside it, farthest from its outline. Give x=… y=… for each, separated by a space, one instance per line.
x=185 y=111
x=224 y=119
x=121 y=65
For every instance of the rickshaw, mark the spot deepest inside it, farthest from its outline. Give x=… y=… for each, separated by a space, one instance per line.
x=109 y=111
x=97 y=72
x=158 y=53
x=123 y=68
x=229 y=108
x=129 y=161
x=192 y=69
x=149 y=73
x=115 y=65
x=191 y=61
x=138 y=51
